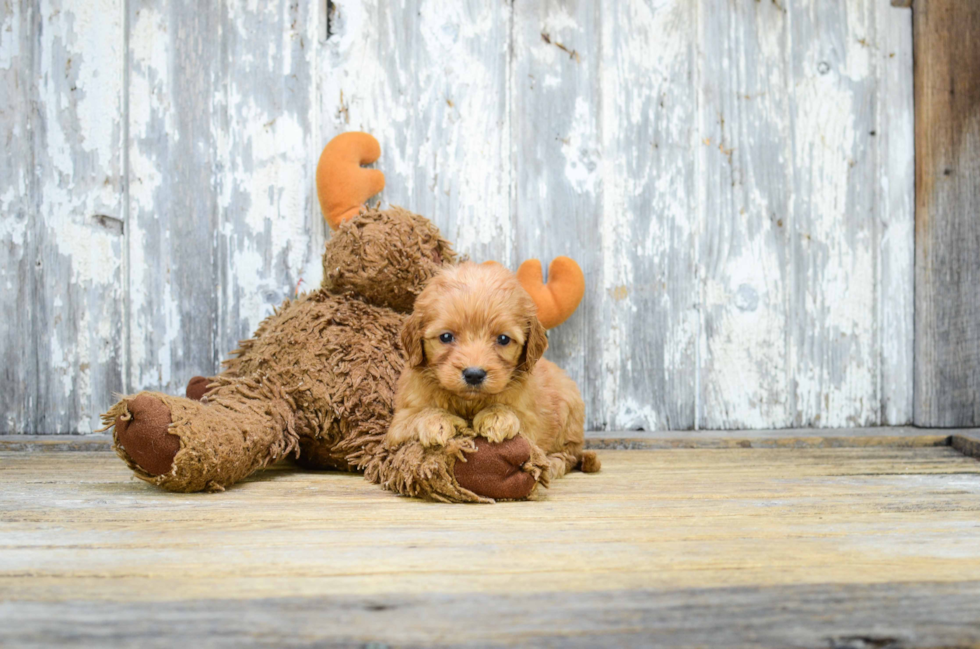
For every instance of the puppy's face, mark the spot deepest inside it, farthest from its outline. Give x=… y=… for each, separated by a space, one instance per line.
x=474 y=329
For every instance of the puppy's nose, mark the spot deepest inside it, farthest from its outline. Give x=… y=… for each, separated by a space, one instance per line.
x=474 y=375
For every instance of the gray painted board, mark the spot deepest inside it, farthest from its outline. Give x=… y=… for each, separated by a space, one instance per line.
x=62 y=213
x=18 y=375
x=734 y=178
x=172 y=298
x=77 y=223
x=270 y=234
x=746 y=261
x=556 y=140
x=644 y=330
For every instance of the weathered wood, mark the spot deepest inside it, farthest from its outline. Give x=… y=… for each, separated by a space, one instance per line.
x=745 y=166
x=947 y=213
x=642 y=336
x=556 y=138
x=55 y=443
x=78 y=157
x=905 y=436
x=62 y=227
x=859 y=616
x=437 y=101
x=460 y=130
x=660 y=145
x=778 y=340
x=831 y=309
x=18 y=192
x=764 y=545
x=172 y=303
x=269 y=233
x=895 y=214
x=966 y=442
x=783 y=438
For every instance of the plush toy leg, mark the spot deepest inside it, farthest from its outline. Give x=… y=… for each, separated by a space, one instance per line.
x=197 y=387
x=184 y=445
x=466 y=469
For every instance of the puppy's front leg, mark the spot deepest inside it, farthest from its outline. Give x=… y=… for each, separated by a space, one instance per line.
x=497 y=423
x=431 y=426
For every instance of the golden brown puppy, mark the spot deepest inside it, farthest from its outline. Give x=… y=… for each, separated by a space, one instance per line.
x=474 y=347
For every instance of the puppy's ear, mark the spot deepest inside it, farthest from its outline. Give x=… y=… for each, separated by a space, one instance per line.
x=411 y=338
x=534 y=346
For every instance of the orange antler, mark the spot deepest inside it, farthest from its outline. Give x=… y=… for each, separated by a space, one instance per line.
x=559 y=298
x=342 y=185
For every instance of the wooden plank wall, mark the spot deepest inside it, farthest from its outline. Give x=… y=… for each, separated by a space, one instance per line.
x=947 y=218
x=736 y=179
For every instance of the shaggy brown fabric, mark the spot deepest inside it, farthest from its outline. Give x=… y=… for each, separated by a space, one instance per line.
x=317 y=381
x=142 y=433
x=247 y=426
x=197 y=387
x=385 y=257
x=497 y=475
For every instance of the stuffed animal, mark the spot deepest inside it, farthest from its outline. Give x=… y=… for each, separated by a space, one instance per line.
x=317 y=380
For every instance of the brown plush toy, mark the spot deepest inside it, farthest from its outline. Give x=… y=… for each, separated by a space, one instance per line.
x=317 y=379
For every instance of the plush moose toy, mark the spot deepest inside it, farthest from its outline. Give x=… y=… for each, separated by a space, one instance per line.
x=317 y=379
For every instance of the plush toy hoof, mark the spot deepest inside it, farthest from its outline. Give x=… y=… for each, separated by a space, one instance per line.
x=143 y=435
x=197 y=387
x=497 y=470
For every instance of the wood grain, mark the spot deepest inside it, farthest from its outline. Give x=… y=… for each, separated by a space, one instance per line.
x=555 y=142
x=966 y=442
x=895 y=214
x=783 y=438
x=18 y=192
x=746 y=266
x=269 y=233
x=642 y=336
x=62 y=213
x=734 y=179
x=766 y=545
x=898 y=616
x=437 y=99
x=832 y=224
x=172 y=302
x=460 y=129
x=947 y=204
x=904 y=436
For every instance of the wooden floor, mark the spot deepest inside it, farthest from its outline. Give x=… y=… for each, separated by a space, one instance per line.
x=875 y=546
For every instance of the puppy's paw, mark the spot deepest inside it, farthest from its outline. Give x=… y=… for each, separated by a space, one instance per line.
x=538 y=466
x=497 y=423
x=438 y=429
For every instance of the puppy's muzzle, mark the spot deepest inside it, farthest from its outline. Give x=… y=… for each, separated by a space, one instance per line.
x=474 y=375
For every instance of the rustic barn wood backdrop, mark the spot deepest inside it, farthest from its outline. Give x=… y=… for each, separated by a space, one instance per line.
x=734 y=176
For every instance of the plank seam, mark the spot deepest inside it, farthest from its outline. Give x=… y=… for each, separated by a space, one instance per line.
x=877 y=208
x=127 y=225
x=33 y=410
x=700 y=208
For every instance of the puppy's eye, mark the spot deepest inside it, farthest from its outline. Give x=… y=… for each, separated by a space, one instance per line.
x=503 y=340
x=446 y=338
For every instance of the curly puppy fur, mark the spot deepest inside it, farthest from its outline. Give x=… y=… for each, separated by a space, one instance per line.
x=474 y=347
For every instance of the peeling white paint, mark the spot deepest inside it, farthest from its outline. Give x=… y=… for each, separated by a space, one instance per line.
x=747 y=247
x=580 y=156
x=10 y=36
x=78 y=159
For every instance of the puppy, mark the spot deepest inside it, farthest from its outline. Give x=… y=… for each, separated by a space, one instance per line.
x=474 y=347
